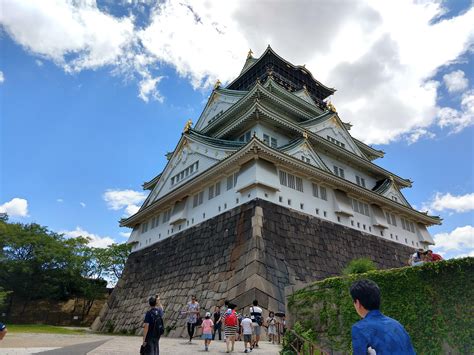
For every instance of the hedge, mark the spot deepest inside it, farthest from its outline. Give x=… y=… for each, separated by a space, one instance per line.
x=434 y=302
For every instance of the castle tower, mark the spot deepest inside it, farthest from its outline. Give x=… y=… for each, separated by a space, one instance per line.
x=266 y=190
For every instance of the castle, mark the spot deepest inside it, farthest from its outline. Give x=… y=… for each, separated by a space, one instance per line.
x=266 y=190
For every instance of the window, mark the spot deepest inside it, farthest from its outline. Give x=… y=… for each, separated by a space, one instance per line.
x=266 y=138
x=230 y=182
x=269 y=140
x=292 y=181
x=198 y=198
x=299 y=184
x=335 y=141
x=323 y=193
x=407 y=225
x=145 y=227
x=360 y=181
x=214 y=190
x=185 y=173
x=289 y=202
x=166 y=216
x=339 y=171
x=155 y=222
x=360 y=207
x=391 y=219
x=315 y=190
x=302 y=206
x=273 y=142
x=280 y=199
x=245 y=137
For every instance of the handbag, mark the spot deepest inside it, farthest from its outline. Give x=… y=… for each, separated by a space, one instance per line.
x=142 y=349
x=198 y=320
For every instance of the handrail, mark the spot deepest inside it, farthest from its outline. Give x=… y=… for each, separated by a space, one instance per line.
x=304 y=346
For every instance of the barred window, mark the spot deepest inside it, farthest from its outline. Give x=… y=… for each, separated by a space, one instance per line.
x=299 y=184
x=217 y=190
x=291 y=181
x=323 y=193
x=315 y=190
x=283 y=180
x=211 y=192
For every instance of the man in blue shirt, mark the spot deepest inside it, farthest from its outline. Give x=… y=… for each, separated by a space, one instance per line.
x=151 y=326
x=376 y=331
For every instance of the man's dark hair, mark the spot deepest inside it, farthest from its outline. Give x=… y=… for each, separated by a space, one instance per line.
x=255 y=303
x=226 y=302
x=367 y=292
x=152 y=301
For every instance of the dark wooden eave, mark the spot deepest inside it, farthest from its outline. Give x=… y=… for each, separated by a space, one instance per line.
x=293 y=78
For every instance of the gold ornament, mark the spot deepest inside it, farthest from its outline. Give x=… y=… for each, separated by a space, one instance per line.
x=187 y=126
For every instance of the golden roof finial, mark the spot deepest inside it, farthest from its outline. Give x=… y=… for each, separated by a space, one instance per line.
x=305 y=135
x=249 y=54
x=187 y=126
x=217 y=84
x=331 y=107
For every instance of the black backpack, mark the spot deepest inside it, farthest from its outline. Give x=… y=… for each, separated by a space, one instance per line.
x=157 y=328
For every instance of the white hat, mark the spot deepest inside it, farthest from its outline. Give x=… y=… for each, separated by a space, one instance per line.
x=208 y=314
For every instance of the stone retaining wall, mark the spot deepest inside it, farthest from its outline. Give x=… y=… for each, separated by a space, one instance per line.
x=252 y=251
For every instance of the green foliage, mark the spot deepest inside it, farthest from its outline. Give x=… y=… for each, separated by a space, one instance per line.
x=359 y=266
x=40 y=264
x=433 y=302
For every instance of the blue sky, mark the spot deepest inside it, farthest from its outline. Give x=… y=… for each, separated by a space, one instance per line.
x=88 y=113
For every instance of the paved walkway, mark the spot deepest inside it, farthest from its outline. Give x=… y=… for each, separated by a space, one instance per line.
x=93 y=344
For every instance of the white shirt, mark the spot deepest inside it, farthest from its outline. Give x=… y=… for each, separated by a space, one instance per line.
x=246 y=325
x=255 y=309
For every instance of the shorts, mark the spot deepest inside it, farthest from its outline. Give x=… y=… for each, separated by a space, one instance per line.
x=257 y=329
x=247 y=338
x=207 y=336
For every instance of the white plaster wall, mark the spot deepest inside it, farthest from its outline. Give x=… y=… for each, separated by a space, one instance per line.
x=303 y=202
x=349 y=172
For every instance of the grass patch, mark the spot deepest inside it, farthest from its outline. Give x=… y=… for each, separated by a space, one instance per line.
x=42 y=328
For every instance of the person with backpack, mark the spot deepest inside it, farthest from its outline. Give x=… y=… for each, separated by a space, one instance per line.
x=257 y=321
x=153 y=326
x=231 y=323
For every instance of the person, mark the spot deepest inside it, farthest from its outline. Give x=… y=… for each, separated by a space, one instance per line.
x=217 y=323
x=382 y=334
x=432 y=256
x=153 y=326
x=193 y=313
x=223 y=315
x=271 y=326
x=417 y=258
x=207 y=327
x=246 y=330
x=257 y=321
x=230 y=323
x=3 y=330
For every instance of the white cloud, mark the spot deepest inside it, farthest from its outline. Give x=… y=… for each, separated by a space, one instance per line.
x=125 y=234
x=94 y=240
x=16 y=207
x=363 y=52
x=148 y=89
x=460 y=239
x=78 y=30
x=39 y=63
x=455 y=81
x=457 y=120
x=415 y=135
x=2 y=77
x=444 y=202
x=82 y=204
x=127 y=199
x=59 y=200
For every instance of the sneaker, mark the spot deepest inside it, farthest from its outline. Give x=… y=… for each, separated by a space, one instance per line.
x=246 y=351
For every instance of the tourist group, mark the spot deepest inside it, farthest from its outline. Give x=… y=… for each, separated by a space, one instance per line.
x=235 y=326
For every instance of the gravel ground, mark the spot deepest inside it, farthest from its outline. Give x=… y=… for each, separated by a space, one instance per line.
x=30 y=343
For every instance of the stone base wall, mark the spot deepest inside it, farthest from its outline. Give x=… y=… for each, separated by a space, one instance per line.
x=251 y=252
